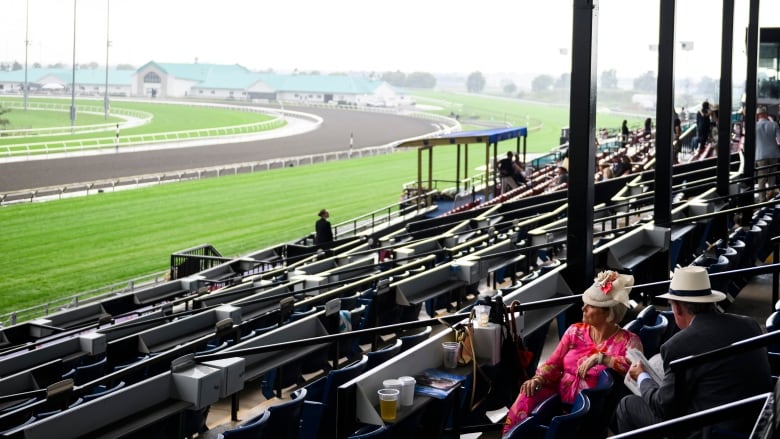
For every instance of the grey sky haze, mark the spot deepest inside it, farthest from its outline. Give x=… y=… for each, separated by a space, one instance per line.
x=519 y=36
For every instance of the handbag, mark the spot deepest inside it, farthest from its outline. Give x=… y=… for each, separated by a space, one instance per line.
x=464 y=335
x=515 y=359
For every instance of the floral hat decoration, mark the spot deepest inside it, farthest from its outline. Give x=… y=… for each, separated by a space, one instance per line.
x=608 y=289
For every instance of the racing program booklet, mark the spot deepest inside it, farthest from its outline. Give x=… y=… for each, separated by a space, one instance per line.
x=654 y=366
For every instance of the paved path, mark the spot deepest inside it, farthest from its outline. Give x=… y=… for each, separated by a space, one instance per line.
x=368 y=129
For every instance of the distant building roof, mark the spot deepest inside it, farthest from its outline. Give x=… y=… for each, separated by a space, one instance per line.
x=207 y=76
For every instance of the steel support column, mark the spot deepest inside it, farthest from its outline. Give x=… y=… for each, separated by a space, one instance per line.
x=582 y=150
x=664 y=133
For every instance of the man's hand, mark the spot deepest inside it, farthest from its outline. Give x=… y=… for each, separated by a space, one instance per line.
x=635 y=370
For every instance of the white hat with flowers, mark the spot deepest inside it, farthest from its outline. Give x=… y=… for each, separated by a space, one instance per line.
x=608 y=289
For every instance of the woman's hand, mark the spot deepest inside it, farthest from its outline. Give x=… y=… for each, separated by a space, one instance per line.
x=530 y=387
x=587 y=364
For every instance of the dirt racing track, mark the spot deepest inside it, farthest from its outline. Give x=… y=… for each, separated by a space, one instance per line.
x=366 y=130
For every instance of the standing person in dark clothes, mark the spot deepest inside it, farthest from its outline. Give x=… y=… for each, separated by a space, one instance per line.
x=624 y=132
x=324 y=234
x=506 y=170
x=703 y=126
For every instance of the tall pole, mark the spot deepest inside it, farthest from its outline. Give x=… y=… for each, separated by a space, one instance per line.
x=73 y=78
x=26 y=45
x=106 y=105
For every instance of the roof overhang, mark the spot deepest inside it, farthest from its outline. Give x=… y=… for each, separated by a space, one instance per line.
x=493 y=135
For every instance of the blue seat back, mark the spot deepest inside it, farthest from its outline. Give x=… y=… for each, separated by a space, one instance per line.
x=597 y=419
x=101 y=390
x=648 y=315
x=254 y=429
x=376 y=358
x=652 y=336
x=372 y=431
x=409 y=341
x=286 y=417
x=568 y=425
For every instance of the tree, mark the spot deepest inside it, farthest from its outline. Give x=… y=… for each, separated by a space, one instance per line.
x=37 y=65
x=563 y=81
x=475 y=83
x=708 y=86
x=509 y=87
x=16 y=66
x=542 y=83
x=396 y=78
x=421 y=80
x=609 y=79
x=646 y=82
x=125 y=67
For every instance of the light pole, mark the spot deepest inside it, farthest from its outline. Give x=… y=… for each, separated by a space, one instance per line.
x=106 y=104
x=26 y=46
x=73 y=78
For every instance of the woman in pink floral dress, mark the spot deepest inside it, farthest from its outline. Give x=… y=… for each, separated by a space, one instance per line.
x=586 y=349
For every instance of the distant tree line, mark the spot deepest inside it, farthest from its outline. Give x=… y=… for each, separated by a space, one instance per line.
x=413 y=80
x=36 y=65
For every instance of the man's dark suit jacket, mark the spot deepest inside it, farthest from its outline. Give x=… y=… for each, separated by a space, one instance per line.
x=715 y=383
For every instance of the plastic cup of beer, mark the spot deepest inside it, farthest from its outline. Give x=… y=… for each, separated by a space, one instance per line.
x=450 y=351
x=388 y=403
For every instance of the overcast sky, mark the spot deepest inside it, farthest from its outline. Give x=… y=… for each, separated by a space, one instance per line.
x=524 y=36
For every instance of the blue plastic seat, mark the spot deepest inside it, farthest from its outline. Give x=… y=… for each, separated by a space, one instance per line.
x=319 y=414
x=102 y=390
x=378 y=357
x=371 y=432
x=411 y=340
x=566 y=425
x=88 y=372
x=596 y=422
x=652 y=335
x=210 y=349
x=254 y=429
x=285 y=419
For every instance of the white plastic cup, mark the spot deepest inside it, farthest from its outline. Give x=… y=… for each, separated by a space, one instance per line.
x=482 y=313
x=407 y=390
x=450 y=351
x=392 y=384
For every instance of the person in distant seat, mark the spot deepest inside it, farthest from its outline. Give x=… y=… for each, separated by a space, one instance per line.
x=519 y=170
x=586 y=349
x=703 y=328
x=563 y=176
x=324 y=233
x=767 y=152
x=506 y=170
x=648 y=126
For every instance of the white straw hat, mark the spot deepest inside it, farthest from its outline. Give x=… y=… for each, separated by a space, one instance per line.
x=692 y=284
x=608 y=289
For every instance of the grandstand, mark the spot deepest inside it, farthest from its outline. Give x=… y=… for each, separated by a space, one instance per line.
x=165 y=360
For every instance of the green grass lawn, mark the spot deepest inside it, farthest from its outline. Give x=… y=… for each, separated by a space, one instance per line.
x=64 y=247
x=167 y=118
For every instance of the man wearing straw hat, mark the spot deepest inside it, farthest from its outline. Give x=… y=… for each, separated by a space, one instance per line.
x=703 y=328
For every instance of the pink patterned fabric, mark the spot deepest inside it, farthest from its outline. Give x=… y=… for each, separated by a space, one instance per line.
x=560 y=370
